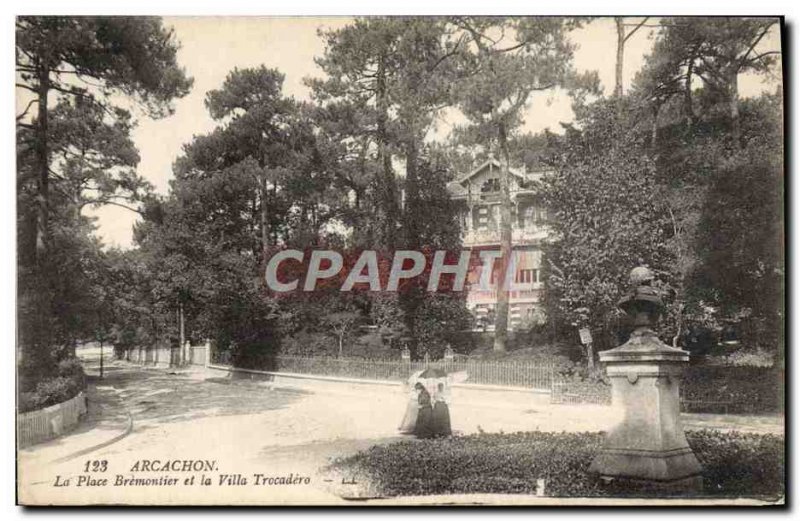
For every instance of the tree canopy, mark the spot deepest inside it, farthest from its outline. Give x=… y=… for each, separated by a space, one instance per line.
x=679 y=172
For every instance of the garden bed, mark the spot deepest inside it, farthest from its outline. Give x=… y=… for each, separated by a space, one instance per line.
x=36 y=394
x=734 y=465
x=739 y=390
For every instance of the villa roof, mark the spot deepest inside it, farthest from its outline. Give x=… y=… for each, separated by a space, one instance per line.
x=459 y=186
x=491 y=162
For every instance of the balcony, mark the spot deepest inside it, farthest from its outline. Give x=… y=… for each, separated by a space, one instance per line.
x=491 y=236
x=530 y=292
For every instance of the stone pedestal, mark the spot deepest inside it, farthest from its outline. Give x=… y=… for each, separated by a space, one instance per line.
x=648 y=446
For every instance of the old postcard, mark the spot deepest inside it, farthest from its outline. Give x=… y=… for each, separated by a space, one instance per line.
x=452 y=260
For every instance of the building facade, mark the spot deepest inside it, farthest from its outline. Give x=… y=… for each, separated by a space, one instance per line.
x=479 y=194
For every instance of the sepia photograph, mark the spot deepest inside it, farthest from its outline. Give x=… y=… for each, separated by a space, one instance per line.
x=400 y=260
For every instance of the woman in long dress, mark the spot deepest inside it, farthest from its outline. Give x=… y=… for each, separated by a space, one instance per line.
x=412 y=410
x=424 y=427
x=441 y=413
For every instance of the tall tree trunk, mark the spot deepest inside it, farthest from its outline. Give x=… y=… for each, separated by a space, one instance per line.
x=501 y=314
x=43 y=164
x=654 y=128
x=733 y=100
x=412 y=297
x=687 y=96
x=264 y=217
x=386 y=180
x=620 y=56
x=365 y=232
x=678 y=326
x=273 y=231
x=182 y=334
x=412 y=194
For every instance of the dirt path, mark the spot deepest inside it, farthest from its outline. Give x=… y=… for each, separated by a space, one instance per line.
x=247 y=428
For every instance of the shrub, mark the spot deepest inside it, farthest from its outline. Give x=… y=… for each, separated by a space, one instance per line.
x=556 y=354
x=28 y=401
x=306 y=343
x=733 y=389
x=735 y=464
x=738 y=463
x=371 y=346
x=70 y=381
x=58 y=389
x=481 y=463
x=73 y=369
x=746 y=358
x=578 y=387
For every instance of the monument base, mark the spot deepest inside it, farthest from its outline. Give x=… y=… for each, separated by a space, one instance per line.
x=669 y=472
x=627 y=487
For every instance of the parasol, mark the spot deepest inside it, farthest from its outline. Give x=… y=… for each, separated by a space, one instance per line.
x=433 y=372
x=431 y=377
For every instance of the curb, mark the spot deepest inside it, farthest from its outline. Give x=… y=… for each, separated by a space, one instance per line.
x=126 y=431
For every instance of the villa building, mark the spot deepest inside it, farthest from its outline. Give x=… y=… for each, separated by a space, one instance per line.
x=479 y=190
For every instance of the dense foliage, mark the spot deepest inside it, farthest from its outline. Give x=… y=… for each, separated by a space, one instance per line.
x=77 y=79
x=608 y=216
x=680 y=173
x=67 y=383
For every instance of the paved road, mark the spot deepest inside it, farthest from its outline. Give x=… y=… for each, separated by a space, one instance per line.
x=246 y=428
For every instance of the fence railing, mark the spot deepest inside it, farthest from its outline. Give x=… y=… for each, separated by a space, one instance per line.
x=44 y=424
x=165 y=356
x=525 y=374
x=697 y=394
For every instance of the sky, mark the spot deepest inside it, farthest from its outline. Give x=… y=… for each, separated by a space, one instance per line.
x=213 y=46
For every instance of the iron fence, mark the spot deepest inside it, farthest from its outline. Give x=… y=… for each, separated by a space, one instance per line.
x=699 y=396
x=525 y=374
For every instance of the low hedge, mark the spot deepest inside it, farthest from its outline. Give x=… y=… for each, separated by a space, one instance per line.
x=740 y=464
x=69 y=381
x=580 y=389
x=734 y=464
x=742 y=389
